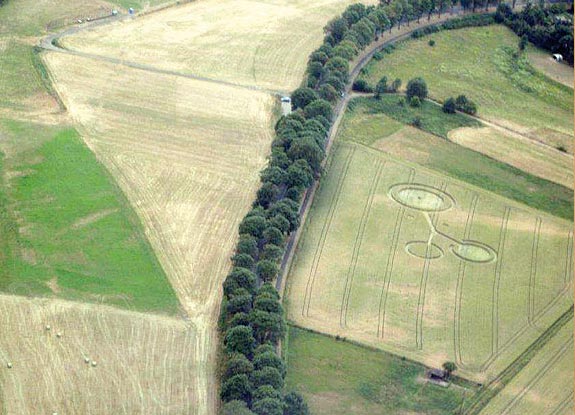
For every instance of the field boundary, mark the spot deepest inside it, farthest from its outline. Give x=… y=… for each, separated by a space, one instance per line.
x=491 y=389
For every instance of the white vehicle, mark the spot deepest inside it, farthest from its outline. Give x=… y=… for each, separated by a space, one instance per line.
x=286 y=100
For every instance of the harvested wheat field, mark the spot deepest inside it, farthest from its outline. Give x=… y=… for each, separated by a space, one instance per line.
x=257 y=43
x=94 y=359
x=413 y=262
x=187 y=154
x=528 y=155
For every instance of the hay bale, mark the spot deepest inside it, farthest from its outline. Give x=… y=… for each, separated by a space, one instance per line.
x=94 y=363
x=86 y=360
x=48 y=327
x=59 y=335
x=9 y=365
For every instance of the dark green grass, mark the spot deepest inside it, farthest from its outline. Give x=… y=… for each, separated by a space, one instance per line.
x=338 y=377
x=433 y=119
x=68 y=231
x=460 y=162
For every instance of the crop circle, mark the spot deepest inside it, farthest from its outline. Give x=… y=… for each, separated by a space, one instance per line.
x=423 y=249
x=421 y=197
x=474 y=251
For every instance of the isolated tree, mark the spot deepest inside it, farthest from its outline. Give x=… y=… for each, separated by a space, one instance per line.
x=295 y=404
x=237 y=387
x=449 y=368
x=416 y=87
x=240 y=339
x=302 y=97
x=381 y=87
x=449 y=106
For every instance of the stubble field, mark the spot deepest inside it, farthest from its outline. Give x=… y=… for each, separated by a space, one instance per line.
x=94 y=360
x=257 y=43
x=413 y=262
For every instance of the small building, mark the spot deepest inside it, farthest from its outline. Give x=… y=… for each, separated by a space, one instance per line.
x=558 y=57
x=437 y=375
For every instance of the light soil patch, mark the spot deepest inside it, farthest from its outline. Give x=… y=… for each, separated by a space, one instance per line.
x=558 y=71
x=259 y=43
x=94 y=217
x=524 y=154
x=411 y=261
x=544 y=386
x=94 y=360
x=188 y=155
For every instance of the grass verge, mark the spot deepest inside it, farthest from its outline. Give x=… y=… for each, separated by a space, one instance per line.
x=431 y=117
x=338 y=377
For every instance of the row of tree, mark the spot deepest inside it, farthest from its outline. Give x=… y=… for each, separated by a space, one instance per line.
x=252 y=321
x=550 y=27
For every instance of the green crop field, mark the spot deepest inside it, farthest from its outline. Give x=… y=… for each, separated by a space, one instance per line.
x=367 y=122
x=545 y=385
x=339 y=378
x=478 y=62
x=69 y=230
x=411 y=261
